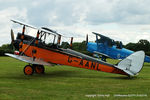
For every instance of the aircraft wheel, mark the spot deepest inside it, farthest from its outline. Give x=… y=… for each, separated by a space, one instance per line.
x=39 y=69
x=28 y=70
x=103 y=58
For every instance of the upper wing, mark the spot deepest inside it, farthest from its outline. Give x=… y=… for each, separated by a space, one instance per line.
x=21 y=23
x=29 y=59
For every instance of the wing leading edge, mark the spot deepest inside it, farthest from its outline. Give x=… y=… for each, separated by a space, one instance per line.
x=102 y=54
x=29 y=59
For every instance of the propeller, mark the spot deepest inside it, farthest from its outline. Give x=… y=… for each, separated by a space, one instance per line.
x=12 y=40
x=86 y=39
x=12 y=37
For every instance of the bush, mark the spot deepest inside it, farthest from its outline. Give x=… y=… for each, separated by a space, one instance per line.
x=6 y=48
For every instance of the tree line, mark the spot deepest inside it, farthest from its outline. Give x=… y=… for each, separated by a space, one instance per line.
x=140 y=45
x=6 y=48
x=81 y=47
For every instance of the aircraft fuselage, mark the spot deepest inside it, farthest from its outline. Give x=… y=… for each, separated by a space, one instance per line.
x=113 y=52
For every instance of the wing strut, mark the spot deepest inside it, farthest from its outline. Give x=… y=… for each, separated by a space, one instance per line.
x=71 y=42
x=22 y=38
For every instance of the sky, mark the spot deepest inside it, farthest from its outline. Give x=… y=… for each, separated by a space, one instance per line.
x=121 y=20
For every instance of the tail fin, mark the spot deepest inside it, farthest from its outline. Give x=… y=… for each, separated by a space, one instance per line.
x=133 y=64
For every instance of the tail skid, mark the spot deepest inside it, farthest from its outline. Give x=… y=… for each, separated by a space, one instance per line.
x=133 y=64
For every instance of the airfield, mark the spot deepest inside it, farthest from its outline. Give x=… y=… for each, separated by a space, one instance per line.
x=70 y=83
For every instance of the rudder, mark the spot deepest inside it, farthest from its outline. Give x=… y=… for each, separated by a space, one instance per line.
x=133 y=64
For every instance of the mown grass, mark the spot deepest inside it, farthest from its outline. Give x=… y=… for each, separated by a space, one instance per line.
x=69 y=83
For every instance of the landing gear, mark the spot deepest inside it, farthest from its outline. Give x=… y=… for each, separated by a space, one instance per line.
x=30 y=69
x=39 y=69
x=103 y=58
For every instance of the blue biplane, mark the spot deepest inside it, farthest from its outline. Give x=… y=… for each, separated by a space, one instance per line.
x=104 y=47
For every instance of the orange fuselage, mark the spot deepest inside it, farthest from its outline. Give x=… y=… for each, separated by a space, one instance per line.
x=56 y=56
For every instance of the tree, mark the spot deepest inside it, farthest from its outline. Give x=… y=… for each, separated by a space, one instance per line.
x=6 y=48
x=143 y=45
x=140 y=45
x=65 y=45
x=131 y=46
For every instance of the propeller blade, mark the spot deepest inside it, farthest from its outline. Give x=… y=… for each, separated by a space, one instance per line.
x=12 y=36
x=86 y=39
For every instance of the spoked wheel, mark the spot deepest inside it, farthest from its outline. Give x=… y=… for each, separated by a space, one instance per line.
x=39 y=69
x=28 y=70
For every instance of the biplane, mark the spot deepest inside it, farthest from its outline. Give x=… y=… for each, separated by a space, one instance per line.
x=105 y=47
x=37 y=53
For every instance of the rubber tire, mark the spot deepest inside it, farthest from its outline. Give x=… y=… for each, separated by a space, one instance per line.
x=28 y=70
x=39 y=69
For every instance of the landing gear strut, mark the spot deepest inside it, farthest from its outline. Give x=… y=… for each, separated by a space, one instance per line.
x=30 y=69
x=103 y=58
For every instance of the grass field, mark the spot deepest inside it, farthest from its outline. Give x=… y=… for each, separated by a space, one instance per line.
x=69 y=83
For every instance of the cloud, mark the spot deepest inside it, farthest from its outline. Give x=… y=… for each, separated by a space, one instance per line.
x=125 y=20
x=119 y=11
x=6 y=15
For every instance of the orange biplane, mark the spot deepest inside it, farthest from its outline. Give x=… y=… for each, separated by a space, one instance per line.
x=37 y=52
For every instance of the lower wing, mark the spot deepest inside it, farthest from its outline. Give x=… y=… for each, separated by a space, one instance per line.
x=102 y=54
x=29 y=59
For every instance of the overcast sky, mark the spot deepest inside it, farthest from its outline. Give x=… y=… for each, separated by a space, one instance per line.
x=123 y=20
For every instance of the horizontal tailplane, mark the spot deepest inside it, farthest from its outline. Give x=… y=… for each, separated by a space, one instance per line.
x=133 y=64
